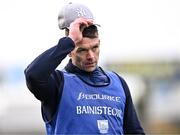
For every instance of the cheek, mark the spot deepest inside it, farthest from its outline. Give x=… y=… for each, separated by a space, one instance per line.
x=78 y=59
x=97 y=54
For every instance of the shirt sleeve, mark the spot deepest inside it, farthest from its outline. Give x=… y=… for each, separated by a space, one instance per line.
x=42 y=79
x=131 y=122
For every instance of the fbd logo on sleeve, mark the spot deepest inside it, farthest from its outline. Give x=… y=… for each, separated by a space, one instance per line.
x=103 y=126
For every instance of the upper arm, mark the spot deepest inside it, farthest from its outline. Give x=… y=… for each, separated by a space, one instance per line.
x=131 y=122
x=47 y=89
x=50 y=106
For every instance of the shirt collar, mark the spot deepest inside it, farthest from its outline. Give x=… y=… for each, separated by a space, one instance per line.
x=96 y=78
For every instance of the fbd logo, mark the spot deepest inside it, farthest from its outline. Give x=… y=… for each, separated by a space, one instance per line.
x=103 y=126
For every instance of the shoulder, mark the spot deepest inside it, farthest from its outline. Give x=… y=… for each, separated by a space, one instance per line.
x=113 y=73
x=122 y=80
x=67 y=74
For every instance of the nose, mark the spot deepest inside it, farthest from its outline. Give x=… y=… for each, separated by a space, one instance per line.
x=90 y=54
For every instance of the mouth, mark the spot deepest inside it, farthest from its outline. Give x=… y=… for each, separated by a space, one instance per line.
x=90 y=64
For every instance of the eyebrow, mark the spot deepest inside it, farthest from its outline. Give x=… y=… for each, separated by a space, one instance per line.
x=84 y=49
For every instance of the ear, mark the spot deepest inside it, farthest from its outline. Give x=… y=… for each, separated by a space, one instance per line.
x=70 y=54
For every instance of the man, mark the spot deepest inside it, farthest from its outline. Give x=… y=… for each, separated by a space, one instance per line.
x=82 y=98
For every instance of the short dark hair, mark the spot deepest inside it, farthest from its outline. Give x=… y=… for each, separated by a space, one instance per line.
x=90 y=32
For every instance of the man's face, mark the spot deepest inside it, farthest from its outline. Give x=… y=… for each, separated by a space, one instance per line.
x=86 y=54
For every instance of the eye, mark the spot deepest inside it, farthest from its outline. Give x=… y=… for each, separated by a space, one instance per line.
x=81 y=50
x=95 y=48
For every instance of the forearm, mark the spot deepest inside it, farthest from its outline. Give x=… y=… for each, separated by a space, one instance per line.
x=39 y=72
x=131 y=122
x=41 y=68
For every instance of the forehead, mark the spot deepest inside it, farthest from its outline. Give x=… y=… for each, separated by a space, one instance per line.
x=88 y=42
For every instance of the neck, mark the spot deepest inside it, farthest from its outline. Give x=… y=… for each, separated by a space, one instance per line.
x=95 y=78
x=72 y=68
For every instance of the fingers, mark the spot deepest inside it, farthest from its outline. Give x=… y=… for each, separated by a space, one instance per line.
x=86 y=22
x=76 y=28
x=83 y=22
